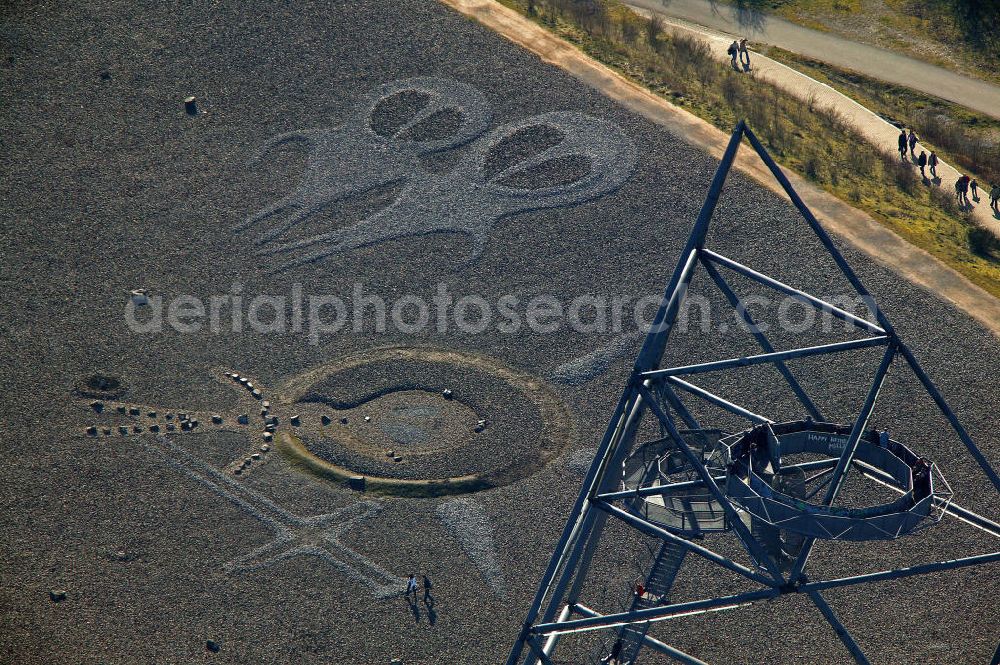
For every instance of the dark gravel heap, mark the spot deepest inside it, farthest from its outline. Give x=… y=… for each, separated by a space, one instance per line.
x=107 y=184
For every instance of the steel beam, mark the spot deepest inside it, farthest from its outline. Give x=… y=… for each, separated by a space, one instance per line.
x=900 y=573
x=741 y=529
x=656 y=341
x=659 y=532
x=718 y=401
x=842 y=632
x=932 y=390
x=818 y=229
x=763 y=358
x=761 y=338
x=574 y=525
x=844 y=463
x=655 y=614
x=648 y=641
x=801 y=296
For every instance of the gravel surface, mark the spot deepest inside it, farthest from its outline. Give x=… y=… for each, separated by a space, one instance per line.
x=109 y=185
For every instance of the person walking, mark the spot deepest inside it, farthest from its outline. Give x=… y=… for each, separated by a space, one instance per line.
x=962 y=190
x=733 y=52
x=901 y=141
x=995 y=197
x=922 y=162
x=974 y=186
x=411 y=587
x=912 y=141
x=744 y=53
x=932 y=162
x=428 y=598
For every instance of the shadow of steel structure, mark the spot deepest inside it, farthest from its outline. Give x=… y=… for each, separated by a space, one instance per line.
x=557 y=609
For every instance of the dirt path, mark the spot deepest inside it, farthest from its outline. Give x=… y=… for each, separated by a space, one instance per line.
x=851 y=224
x=867 y=123
x=876 y=62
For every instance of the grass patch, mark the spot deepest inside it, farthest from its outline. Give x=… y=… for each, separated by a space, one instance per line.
x=806 y=138
x=958 y=34
x=963 y=137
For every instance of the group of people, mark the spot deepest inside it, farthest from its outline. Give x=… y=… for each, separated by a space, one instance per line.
x=412 y=587
x=739 y=49
x=907 y=143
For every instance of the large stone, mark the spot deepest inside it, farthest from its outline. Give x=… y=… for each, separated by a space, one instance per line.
x=97 y=405
x=257 y=394
x=121 y=409
x=92 y=430
x=265 y=404
x=325 y=419
x=57 y=595
x=243 y=419
x=134 y=411
x=295 y=420
x=356 y=483
x=264 y=448
x=255 y=456
x=268 y=436
x=211 y=645
x=123 y=430
x=154 y=428
x=139 y=297
x=151 y=414
x=217 y=419
x=171 y=427
x=447 y=394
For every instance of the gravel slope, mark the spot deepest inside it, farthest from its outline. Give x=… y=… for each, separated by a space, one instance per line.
x=108 y=185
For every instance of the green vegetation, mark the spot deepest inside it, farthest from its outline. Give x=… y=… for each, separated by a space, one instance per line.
x=813 y=141
x=962 y=137
x=960 y=34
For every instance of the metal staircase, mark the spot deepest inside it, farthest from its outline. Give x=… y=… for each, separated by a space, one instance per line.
x=658 y=583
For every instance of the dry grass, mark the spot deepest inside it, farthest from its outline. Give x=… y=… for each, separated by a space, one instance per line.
x=814 y=141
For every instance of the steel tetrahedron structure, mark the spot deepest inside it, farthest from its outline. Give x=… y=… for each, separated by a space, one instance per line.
x=693 y=479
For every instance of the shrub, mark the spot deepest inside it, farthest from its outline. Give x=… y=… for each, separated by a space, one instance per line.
x=983 y=242
x=654 y=28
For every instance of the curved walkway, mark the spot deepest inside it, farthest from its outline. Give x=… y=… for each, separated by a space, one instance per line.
x=868 y=124
x=870 y=60
x=851 y=224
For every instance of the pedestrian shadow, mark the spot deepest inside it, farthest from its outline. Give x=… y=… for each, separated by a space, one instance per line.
x=414 y=608
x=431 y=615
